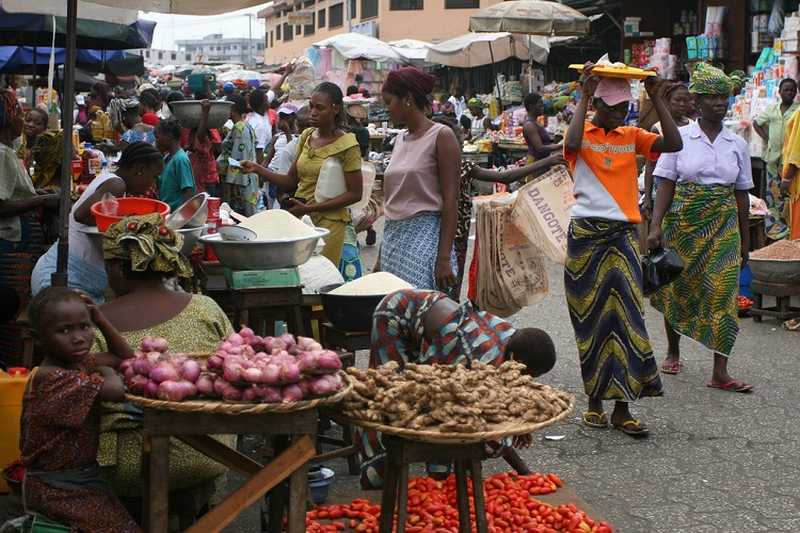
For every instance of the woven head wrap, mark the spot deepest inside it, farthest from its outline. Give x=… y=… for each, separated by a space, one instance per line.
x=409 y=80
x=474 y=102
x=147 y=245
x=707 y=79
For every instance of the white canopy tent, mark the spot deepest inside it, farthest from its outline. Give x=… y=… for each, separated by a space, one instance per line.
x=87 y=10
x=478 y=49
x=411 y=49
x=358 y=46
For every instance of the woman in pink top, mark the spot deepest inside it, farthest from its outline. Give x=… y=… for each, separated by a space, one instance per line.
x=420 y=187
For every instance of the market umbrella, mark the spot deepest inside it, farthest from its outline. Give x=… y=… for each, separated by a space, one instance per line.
x=360 y=46
x=29 y=59
x=532 y=17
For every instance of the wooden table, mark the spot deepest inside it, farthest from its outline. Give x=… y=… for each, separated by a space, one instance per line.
x=194 y=429
x=400 y=453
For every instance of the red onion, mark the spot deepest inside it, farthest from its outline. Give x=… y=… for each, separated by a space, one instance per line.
x=321 y=386
x=138 y=354
x=252 y=375
x=142 y=366
x=329 y=360
x=304 y=386
x=246 y=333
x=151 y=389
x=125 y=364
x=137 y=384
x=232 y=394
x=214 y=362
x=160 y=344
x=154 y=357
x=189 y=389
x=251 y=394
x=226 y=346
x=271 y=394
x=288 y=339
x=232 y=372
x=129 y=373
x=235 y=339
x=220 y=385
x=205 y=384
x=271 y=374
x=191 y=370
x=171 y=391
x=147 y=344
x=307 y=361
x=268 y=343
x=164 y=372
x=290 y=373
x=291 y=393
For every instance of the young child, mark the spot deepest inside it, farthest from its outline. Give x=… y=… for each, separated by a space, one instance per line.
x=60 y=424
x=427 y=327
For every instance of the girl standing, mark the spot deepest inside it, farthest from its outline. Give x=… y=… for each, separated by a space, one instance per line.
x=324 y=139
x=603 y=273
x=60 y=423
x=704 y=206
x=241 y=188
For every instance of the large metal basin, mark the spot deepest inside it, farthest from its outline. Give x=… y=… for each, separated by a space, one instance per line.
x=775 y=270
x=188 y=113
x=264 y=255
x=190 y=236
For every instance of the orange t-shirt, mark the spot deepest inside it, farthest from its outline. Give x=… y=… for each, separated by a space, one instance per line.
x=605 y=172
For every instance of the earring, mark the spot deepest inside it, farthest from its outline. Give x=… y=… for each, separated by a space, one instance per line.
x=408 y=104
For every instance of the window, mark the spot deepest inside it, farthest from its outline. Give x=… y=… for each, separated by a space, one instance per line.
x=369 y=9
x=308 y=3
x=260 y=46
x=352 y=9
x=173 y=56
x=271 y=39
x=160 y=56
x=188 y=57
x=336 y=14
x=298 y=30
x=278 y=32
x=288 y=32
x=405 y=5
x=321 y=18
x=308 y=29
x=462 y=4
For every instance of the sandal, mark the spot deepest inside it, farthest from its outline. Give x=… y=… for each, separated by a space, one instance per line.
x=671 y=366
x=593 y=419
x=734 y=385
x=633 y=428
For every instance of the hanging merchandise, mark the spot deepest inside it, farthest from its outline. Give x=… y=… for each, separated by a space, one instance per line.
x=776 y=18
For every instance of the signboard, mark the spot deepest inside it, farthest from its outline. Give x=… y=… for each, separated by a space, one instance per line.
x=300 y=18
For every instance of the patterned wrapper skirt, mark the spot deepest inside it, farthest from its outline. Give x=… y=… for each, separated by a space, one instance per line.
x=703 y=227
x=603 y=284
x=410 y=247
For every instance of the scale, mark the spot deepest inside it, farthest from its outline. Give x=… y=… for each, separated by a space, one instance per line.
x=279 y=278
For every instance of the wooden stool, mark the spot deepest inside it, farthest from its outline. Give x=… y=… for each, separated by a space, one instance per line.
x=782 y=292
x=400 y=453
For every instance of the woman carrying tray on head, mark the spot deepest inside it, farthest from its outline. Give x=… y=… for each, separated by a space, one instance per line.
x=427 y=327
x=139 y=254
x=603 y=273
x=704 y=206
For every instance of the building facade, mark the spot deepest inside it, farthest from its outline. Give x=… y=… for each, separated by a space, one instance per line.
x=215 y=48
x=161 y=58
x=292 y=26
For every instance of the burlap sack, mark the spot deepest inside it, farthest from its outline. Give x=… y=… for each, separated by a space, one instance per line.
x=542 y=212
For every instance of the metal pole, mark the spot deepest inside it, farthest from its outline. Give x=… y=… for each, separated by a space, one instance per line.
x=59 y=277
x=496 y=83
x=250 y=39
x=33 y=81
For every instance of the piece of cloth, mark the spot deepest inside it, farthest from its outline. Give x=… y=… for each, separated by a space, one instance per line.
x=350 y=262
x=463 y=221
x=140 y=133
x=724 y=162
x=411 y=181
x=146 y=246
x=775 y=222
x=605 y=172
x=794 y=210
x=285 y=153
x=613 y=91
x=544 y=135
x=603 y=286
x=201 y=155
x=791 y=157
x=775 y=122
x=410 y=247
x=702 y=226
x=198 y=328
x=43 y=155
x=60 y=432
x=15 y=184
x=86 y=269
x=459 y=105
x=151 y=119
x=707 y=79
x=408 y=80
x=263 y=129
x=176 y=176
x=477 y=127
x=468 y=334
x=241 y=189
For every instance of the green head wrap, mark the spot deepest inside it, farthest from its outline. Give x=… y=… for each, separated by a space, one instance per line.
x=146 y=244
x=707 y=79
x=474 y=102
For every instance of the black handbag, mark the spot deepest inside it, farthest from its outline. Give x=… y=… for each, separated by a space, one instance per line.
x=660 y=268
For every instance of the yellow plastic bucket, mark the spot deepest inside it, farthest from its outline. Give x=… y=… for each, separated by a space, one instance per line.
x=12 y=387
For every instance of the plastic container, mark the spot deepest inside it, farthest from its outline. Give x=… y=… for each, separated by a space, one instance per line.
x=128 y=207
x=320 y=481
x=12 y=387
x=331 y=184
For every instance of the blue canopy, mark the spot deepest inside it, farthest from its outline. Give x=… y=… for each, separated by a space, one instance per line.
x=20 y=60
x=31 y=29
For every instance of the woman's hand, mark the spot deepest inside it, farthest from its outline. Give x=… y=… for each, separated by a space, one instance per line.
x=297 y=208
x=444 y=273
x=588 y=80
x=522 y=441
x=646 y=209
x=205 y=106
x=555 y=159
x=654 y=237
x=655 y=87
x=250 y=167
x=785 y=185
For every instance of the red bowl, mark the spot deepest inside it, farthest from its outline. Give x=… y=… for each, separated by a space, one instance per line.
x=128 y=207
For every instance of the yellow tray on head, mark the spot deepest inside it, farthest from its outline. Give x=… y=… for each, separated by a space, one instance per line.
x=631 y=73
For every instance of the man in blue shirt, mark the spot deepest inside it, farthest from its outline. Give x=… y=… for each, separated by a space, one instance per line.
x=176 y=182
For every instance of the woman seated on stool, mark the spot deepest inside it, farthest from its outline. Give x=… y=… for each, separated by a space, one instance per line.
x=139 y=256
x=427 y=327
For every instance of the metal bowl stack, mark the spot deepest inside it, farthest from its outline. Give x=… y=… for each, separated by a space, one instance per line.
x=264 y=255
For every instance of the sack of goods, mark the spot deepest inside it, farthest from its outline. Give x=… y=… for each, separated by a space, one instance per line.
x=515 y=233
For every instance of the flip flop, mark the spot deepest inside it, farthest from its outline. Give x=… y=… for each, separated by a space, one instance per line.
x=671 y=366
x=734 y=385
x=633 y=428
x=593 y=419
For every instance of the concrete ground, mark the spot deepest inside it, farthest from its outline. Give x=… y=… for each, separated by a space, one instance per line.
x=715 y=461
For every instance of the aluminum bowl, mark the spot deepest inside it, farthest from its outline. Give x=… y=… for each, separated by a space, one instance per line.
x=775 y=270
x=191 y=214
x=237 y=233
x=188 y=113
x=264 y=255
x=190 y=236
